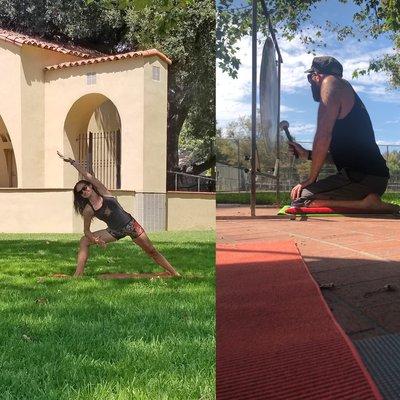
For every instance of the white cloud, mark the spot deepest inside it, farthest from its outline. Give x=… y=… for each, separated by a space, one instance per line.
x=373 y=85
x=234 y=95
x=286 y=109
x=353 y=55
x=295 y=62
x=305 y=130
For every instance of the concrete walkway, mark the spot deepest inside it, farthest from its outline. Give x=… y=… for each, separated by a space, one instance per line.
x=359 y=255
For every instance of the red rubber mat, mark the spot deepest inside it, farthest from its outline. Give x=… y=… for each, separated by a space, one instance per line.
x=276 y=337
x=329 y=210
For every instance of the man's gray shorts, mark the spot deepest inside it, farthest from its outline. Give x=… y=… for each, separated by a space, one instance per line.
x=345 y=185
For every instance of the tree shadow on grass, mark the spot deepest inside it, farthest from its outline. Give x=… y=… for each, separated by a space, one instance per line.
x=142 y=338
x=84 y=346
x=30 y=257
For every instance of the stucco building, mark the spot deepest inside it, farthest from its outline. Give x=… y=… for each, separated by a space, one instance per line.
x=107 y=111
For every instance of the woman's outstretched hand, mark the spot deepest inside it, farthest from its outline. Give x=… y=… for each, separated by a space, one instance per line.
x=66 y=159
x=100 y=242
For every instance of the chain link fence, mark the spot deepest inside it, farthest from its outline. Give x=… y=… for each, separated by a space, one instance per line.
x=179 y=181
x=233 y=166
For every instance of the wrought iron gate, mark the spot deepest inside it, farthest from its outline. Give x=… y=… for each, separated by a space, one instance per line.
x=6 y=147
x=100 y=153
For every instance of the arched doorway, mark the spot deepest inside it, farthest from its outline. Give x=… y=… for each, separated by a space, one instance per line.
x=8 y=167
x=93 y=136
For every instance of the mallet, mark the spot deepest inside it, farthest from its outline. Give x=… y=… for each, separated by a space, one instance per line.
x=284 y=126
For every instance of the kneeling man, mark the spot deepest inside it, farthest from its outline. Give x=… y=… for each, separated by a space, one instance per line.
x=345 y=137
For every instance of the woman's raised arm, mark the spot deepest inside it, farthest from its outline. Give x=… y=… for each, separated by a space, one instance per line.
x=86 y=175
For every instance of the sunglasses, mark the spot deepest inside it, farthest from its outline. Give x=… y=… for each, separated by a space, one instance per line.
x=84 y=187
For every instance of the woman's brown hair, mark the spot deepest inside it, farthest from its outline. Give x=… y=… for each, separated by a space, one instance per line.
x=79 y=201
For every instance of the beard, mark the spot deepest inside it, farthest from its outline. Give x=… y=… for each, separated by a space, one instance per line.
x=316 y=92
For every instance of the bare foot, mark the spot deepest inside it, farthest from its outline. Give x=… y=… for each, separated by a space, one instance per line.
x=60 y=276
x=175 y=273
x=374 y=202
x=371 y=203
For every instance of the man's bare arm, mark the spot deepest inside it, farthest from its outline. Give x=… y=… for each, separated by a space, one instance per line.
x=304 y=154
x=328 y=111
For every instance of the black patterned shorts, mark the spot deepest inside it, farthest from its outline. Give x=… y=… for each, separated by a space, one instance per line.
x=132 y=229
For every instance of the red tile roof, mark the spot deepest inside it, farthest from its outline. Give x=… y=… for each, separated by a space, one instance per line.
x=21 y=39
x=132 y=54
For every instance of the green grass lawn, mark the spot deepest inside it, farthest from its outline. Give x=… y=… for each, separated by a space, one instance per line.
x=269 y=198
x=75 y=339
x=392 y=198
x=263 y=198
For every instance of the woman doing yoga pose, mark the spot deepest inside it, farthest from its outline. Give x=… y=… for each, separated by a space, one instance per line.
x=93 y=199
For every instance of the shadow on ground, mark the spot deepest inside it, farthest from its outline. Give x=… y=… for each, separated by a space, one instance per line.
x=364 y=295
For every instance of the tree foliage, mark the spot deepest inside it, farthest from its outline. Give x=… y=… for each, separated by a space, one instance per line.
x=188 y=36
x=234 y=144
x=393 y=162
x=182 y=29
x=373 y=18
x=234 y=147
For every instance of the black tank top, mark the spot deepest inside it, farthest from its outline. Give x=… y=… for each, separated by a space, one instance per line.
x=353 y=144
x=112 y=213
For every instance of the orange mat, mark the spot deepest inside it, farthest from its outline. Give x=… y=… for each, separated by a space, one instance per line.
x=276 y=337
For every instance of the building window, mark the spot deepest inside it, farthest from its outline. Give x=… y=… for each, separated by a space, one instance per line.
x=91 y=78
x=156 y=73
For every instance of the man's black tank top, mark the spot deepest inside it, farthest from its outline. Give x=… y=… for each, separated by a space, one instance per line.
x=112 y=213
x=353 y=144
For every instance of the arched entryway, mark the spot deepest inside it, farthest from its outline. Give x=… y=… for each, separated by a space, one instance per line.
x=8 y=167
x=93 y=136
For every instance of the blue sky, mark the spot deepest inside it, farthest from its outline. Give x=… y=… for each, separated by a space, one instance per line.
x=297 y=105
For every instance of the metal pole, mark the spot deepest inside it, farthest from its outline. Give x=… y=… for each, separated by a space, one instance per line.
x=278 y=144
x=90 y=158
x=118 y=159
x=253 y=109
x=238 y=163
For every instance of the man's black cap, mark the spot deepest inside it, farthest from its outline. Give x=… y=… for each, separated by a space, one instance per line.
x=326 y=65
